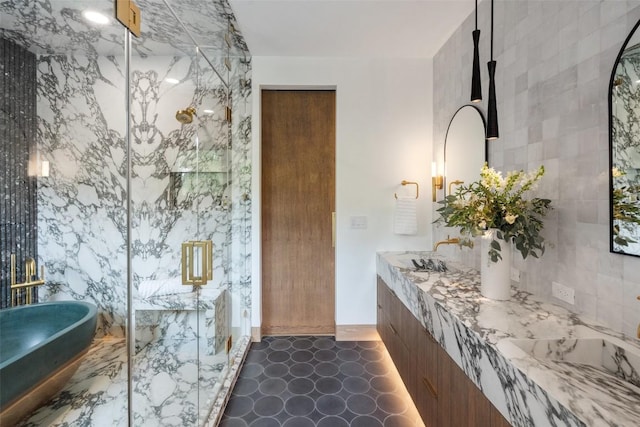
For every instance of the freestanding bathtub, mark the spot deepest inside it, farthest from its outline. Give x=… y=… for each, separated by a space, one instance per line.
x=40 y=348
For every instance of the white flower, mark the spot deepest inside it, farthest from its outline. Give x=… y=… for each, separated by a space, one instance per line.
x=510 y=218
x=482 y=225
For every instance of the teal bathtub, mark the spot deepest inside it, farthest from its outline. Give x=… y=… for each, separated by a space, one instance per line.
x=36 y=342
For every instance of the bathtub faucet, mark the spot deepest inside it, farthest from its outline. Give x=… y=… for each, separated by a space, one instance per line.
x=31 y=281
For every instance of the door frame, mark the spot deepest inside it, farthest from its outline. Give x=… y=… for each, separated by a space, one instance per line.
x=256 y=202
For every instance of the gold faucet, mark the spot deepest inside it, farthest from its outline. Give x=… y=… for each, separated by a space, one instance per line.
x=29 y=283
x=449 y=241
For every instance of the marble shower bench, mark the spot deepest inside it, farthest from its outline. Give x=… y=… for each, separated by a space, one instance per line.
x=478 y=334
x=183 y=316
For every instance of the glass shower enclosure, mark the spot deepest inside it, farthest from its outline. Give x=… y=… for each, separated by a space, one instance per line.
x=144 y=207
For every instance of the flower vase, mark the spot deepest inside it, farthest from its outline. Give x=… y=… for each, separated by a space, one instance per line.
x=495 y=277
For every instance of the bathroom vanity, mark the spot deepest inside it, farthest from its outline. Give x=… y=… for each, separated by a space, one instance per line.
x=470 y=361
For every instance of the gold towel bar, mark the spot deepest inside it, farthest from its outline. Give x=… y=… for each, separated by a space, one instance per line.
x=404 y=182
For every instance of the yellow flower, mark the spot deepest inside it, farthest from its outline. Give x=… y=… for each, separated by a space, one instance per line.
x=510 y=218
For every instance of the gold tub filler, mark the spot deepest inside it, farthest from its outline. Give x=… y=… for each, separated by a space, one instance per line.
x=31 y=281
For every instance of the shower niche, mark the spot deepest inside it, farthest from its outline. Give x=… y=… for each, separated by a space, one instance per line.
x=199 y=174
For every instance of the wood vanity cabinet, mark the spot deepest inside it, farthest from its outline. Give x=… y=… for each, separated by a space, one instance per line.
x=441 y=391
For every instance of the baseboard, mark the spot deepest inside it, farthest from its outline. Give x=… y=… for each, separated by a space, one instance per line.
x=343 y=333
x=357 y=333
x=256 y=335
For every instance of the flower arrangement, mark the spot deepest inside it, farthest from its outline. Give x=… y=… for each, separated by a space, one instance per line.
x=499 y=203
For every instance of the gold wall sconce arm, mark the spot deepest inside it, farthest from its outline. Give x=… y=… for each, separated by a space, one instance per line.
x=197 y=262
x=452 y=183
x=31 y=281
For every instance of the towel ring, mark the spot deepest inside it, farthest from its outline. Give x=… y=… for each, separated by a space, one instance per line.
x=404 y=182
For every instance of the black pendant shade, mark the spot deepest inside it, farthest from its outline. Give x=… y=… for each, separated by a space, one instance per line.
x=492 y=111
x=476 y=86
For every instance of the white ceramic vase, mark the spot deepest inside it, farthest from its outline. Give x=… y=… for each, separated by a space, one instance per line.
x=495 y=277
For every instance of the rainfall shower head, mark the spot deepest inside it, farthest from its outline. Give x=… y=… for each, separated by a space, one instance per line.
x=186 y=116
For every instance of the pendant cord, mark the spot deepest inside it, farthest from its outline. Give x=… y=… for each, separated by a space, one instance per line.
x=491 y=30
x=476 y=14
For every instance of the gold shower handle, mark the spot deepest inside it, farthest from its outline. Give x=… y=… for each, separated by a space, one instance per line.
x=197 y=262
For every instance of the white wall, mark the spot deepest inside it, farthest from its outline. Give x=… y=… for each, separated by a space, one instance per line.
x=383 y=135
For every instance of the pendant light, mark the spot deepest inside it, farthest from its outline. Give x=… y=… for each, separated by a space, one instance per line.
x=476 y=87
x=492 y=112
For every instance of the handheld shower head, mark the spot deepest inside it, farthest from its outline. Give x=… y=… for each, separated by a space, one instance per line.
x=186 y=116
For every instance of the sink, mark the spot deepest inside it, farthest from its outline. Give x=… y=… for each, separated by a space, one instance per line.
x=599 y=351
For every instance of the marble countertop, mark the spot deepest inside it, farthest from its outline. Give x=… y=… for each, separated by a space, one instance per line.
x=481 y=335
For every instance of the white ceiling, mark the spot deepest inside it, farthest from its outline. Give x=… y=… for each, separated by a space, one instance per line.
x=349 y=28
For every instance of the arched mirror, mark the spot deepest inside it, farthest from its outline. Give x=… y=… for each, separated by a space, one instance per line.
x=465 y=148
x=624 y=148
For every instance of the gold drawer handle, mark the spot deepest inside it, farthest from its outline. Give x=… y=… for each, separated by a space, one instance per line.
x=430 y=387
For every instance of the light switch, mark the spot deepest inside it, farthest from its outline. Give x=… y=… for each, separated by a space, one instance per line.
x=358 y=222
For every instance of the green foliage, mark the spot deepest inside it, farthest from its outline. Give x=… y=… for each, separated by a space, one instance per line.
x=626 y=209
x=499 y=203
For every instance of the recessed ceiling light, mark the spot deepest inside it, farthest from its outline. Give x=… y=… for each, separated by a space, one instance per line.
x=95 y=17
x=172 y=80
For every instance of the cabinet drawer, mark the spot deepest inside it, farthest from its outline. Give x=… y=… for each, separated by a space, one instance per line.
x=426 y=398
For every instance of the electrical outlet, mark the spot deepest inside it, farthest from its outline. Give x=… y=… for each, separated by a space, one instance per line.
x=563 y=293
x=515 y=274
x=358 y=222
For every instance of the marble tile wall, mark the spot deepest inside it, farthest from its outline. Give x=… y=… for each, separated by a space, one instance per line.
x=82 y=204
x=554 y=61
x=18 y=165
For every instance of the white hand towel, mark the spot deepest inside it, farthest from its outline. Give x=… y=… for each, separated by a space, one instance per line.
x=405 y=218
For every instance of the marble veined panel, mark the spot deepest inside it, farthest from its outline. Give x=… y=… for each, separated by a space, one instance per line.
x=179 y=186
x=82 y=204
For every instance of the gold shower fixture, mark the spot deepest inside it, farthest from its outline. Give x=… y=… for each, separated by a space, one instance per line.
x=31 y=281
x=186 y=116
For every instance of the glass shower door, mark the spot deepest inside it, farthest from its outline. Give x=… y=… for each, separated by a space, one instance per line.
x=180 y=233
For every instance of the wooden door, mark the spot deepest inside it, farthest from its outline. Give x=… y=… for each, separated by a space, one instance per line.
x=298 y=199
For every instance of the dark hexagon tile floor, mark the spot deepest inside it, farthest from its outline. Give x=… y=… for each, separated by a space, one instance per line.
x=319 y=382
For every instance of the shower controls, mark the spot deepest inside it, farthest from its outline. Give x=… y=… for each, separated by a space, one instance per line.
x=30 y=281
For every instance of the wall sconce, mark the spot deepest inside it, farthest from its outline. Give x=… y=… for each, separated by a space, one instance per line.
x=44 y=168
x=437 y=181
x=38 y=167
